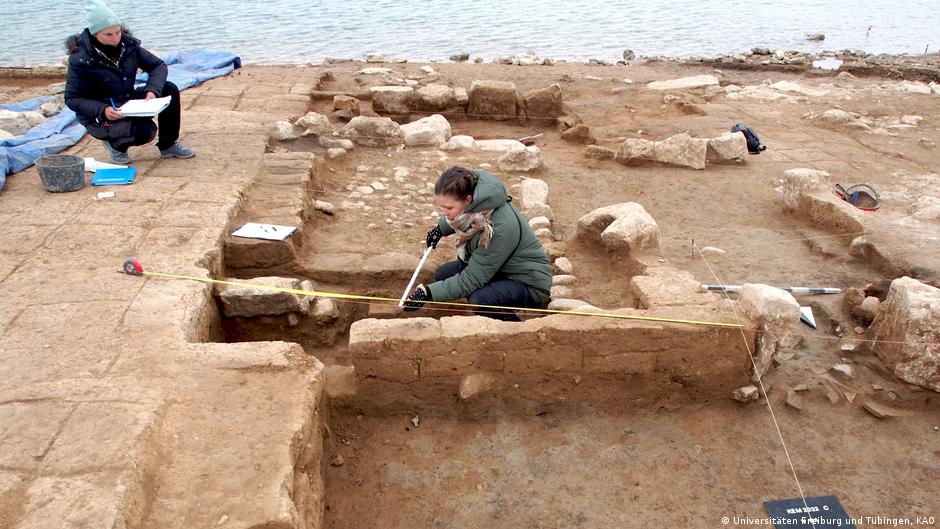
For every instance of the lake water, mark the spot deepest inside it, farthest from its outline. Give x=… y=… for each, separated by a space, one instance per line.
x=307 y=31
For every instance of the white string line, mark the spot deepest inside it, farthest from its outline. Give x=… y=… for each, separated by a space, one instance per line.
x=781 y=241
x=760 y=381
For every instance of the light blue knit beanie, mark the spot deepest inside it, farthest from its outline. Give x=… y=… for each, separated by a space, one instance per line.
x=99 y=16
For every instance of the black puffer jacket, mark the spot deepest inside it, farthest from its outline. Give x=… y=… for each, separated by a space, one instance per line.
x=93 y=80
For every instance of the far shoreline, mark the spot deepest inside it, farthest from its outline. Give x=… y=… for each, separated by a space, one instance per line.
x=922 y=67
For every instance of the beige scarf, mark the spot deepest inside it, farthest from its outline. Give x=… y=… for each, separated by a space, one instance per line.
x=466 y=225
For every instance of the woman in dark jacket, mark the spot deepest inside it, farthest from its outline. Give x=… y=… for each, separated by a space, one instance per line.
x=500 y=262
x=103 y=64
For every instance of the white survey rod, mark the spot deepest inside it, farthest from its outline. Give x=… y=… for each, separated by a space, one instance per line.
x=414 y=276
x=795 y=290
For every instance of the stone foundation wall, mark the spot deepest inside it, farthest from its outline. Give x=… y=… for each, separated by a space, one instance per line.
x=427 y=351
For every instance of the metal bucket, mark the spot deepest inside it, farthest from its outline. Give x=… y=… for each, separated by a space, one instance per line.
x=60 y=173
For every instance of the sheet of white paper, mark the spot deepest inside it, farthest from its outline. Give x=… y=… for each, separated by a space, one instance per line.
x=145 y=107
x=105 y=194
x=271 y=232
x=92 y=165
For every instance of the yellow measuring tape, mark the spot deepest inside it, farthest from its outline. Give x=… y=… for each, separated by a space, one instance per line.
x=355 y=297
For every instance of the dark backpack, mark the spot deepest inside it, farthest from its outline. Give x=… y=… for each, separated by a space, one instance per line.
x=754 y=146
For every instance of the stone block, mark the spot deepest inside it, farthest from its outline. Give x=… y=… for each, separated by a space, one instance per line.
x=682 y=150
x=625 y=226
x=667 y=286
x=481 y=333
x=798 y=182
x=539 y=210
x=634 y=149
x=433 y=130
x=493 y=100
x=579 y=133
x=543 y=105
x=729 y=147
x=499 y=145
x=393 y=338
x=247 y=302
x=282 y=131
x=907 y=332
x=532 y=191
x=537 y=223
x=392 y=99
x=347 y=103
x=458 y=143
x=767 y=305
x=434 y=98
x=373 y=131
x=529 y=159
x=567 y=304
x=315 y=125
x=324 y=310
x=561 y=292
x=777 y=313
x=562 y=266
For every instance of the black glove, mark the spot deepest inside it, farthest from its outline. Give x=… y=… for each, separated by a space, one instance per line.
x=417 y=298
x=435 y=236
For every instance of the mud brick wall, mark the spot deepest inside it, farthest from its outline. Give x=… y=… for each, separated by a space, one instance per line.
x=427 y=351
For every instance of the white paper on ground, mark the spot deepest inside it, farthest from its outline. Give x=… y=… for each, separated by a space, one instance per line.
x=92 y=165
x=105 y=194
x=270 y=232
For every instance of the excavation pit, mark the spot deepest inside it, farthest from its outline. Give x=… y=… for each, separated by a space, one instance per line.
x=442 y=419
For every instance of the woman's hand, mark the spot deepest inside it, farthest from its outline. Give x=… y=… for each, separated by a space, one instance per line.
x=434 y=236
x=149 y=96
x=113 y=114
x=417 y=299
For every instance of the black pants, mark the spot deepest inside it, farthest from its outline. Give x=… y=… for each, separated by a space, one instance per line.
x=500 y=292
x=143 y=130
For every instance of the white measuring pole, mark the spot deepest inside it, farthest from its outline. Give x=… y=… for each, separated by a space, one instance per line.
x=795 y=290
x=414 y=276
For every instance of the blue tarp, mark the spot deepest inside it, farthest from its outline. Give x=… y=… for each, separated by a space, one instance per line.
x=186 y=68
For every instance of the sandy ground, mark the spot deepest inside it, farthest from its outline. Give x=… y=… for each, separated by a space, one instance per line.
x=684 y=468
x=687 y=464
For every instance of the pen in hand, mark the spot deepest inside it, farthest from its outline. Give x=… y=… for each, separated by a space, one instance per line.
x=113 y=112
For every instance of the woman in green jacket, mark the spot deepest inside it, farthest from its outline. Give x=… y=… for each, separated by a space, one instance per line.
x=500 y=261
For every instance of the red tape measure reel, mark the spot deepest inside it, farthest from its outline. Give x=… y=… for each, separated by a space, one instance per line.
x=132 y=267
